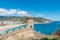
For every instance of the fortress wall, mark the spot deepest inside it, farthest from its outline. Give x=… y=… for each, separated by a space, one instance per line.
x=27 y=33
x=10 y=38
x=22 y=33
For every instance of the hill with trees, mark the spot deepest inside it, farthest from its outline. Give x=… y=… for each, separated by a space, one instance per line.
x=22 y=19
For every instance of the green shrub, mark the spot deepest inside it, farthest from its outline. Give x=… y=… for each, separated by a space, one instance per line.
x=44 y=39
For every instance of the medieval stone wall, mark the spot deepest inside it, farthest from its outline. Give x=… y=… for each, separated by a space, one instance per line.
x=17 y=34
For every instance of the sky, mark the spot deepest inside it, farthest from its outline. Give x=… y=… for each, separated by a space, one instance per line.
x=49 y=9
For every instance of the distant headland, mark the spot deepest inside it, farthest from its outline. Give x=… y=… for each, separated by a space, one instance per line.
x=5 y=20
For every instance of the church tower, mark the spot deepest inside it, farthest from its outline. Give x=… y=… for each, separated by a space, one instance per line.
x=30 y=21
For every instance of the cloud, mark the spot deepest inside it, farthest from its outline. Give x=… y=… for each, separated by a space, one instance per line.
x=23 y=13
x=11 y=12
x=3 y=10
x=39 y=15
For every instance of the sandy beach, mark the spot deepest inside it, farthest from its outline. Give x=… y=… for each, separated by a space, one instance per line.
x=9 y=26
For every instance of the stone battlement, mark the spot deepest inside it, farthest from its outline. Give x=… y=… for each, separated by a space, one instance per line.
x=18 y=33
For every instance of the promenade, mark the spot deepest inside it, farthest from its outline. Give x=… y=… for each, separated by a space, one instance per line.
x=9 y=26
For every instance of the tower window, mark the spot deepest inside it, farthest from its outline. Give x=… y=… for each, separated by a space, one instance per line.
x=31 y=26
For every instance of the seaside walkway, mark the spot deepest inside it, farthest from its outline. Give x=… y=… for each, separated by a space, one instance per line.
x=9 y=30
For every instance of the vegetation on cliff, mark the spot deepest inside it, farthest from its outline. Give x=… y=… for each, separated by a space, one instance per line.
x=56 y=38
x=22 y=19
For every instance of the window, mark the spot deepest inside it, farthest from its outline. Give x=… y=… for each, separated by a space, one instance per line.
x=31 y=26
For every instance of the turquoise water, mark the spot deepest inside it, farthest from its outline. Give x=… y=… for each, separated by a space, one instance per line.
x=47 y=28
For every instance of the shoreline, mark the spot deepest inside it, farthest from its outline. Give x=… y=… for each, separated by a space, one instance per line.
x=10 y=26
x=41 y=23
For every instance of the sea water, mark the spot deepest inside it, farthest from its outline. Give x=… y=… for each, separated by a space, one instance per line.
x=47 y=28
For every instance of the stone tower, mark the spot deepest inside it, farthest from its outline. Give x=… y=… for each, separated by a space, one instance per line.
x=30 y=21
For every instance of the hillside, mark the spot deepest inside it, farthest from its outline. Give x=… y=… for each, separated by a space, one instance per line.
x=22 y=19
